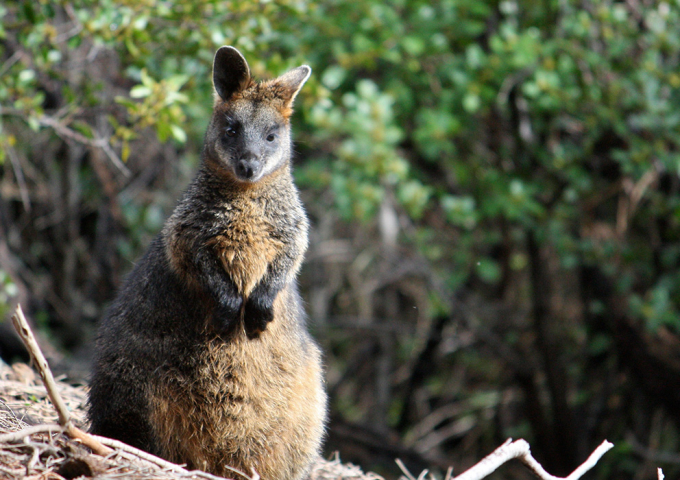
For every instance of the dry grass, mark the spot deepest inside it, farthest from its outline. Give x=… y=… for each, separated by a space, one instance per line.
x=53 y=456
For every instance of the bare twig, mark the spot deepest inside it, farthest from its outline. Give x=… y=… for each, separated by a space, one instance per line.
x=61 y=129
x=402 y=467
x=121 y=447
x=34 y=459
x=159 y=462
x=74 y=30
x=19 y=174
x=634 y=192
x=21 y=434
x=650 y=453
x=576 y=474
x=24 y=331
x=10 y=61
x=103 y=143
x=520 y=449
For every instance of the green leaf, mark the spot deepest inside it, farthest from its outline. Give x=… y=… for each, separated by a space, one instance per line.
x=140 y=91
x=175 y=82
x=178 y=133
x=146 y=79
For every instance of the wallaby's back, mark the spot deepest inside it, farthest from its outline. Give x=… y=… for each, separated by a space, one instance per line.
x=204 y=357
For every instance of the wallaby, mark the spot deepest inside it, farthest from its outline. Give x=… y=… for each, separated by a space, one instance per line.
x=204 y=357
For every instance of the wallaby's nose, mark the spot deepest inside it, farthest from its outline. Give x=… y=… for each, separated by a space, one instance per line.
x=248 y=168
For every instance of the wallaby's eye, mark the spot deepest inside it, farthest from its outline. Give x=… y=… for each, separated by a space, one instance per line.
x=271 y=137
x=231 y=131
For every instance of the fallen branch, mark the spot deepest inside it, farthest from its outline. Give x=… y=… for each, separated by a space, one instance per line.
x=520 y=449
x=24 y=331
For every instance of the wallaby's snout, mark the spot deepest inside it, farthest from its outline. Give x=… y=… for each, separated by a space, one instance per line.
x=249 y=166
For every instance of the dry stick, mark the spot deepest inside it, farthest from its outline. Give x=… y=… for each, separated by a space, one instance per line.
x=409 y=475
x=24 y=331
x=124 y=447
x=576 y=474
x=520 y=449
x=21 y=434
x=159 y=462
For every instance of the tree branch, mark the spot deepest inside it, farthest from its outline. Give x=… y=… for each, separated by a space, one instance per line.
x=67 y=133
x=103 y=143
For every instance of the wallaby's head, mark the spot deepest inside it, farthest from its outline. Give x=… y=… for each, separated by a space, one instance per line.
x=249 y=134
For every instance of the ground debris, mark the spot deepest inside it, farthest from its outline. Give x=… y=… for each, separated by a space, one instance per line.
x=51 y=455
x=336 y=470
x=23 y=395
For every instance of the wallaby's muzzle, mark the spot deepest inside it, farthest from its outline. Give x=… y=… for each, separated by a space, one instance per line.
x=249 y=169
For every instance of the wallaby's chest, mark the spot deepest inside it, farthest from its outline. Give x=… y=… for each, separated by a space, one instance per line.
x=247 y=241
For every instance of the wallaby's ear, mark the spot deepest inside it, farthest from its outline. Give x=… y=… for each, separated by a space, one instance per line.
x=230 y=72
x=291 y=82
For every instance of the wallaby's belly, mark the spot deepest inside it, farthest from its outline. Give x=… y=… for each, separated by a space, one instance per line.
x=251 y=404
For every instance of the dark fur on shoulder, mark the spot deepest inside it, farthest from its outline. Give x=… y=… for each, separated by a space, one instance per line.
x=204 y=357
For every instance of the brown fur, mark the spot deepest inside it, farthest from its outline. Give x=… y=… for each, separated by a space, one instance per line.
x=269 y=92
x=248 y=410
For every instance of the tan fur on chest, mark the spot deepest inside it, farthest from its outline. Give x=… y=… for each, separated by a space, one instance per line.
x=247 y=247
x=250 y=405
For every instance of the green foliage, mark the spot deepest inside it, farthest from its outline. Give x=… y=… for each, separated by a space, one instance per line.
x=160 y=107
x=367 y=159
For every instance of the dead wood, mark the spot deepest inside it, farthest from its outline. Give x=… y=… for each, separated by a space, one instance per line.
x=40 y=363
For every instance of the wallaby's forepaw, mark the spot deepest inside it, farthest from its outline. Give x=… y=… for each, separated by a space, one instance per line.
x=259 y=312
x=227 y=312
